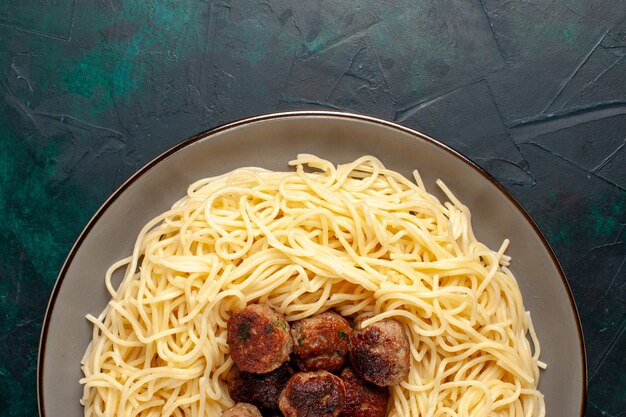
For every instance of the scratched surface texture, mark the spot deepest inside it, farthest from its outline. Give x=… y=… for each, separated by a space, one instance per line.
x=534 y=91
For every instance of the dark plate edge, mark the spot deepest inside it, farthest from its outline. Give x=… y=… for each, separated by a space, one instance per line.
x=59 y=281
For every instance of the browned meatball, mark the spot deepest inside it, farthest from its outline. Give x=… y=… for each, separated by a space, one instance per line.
x=313 y=394
x=261 y=390
x=379 y=353
x=321 y=342
x=242 y=410
x=259 y=339
x=362 y=398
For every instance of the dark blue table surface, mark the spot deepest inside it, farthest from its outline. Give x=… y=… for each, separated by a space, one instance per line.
x=533 y=91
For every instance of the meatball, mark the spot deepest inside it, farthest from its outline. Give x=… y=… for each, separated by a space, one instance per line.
x=379 y=353
x=261 y=390
x=313 y=394
x=362 y=398
x=242 y=410
x=259 y=339
x=321 y=342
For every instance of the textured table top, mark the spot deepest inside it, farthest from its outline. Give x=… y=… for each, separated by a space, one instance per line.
x=533 y=91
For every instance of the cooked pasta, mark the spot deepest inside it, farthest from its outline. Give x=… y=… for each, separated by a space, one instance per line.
x=357 y=238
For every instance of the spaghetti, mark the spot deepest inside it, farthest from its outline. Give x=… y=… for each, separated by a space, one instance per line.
x=357 y=238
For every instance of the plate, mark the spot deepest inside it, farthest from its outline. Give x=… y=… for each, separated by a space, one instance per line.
x=270 y=141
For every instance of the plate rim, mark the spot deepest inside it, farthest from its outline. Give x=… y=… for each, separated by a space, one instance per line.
x=41 y=352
